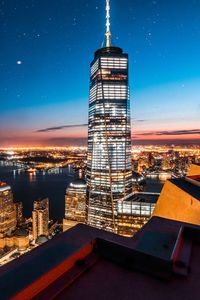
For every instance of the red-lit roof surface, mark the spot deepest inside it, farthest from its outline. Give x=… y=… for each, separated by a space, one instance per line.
x=94 y=264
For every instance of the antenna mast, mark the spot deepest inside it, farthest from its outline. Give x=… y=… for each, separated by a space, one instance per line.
x=108 y=33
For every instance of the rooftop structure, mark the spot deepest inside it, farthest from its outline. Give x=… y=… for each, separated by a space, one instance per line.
x=194 y=170
x=183 y=198
x=78 y=184
x=94 y=264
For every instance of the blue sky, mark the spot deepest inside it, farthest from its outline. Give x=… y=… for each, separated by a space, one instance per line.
x=46 y=49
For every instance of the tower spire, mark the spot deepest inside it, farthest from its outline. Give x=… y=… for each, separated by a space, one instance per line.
x=108 y=33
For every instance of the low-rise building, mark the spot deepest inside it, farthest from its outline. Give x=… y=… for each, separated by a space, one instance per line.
x=18 y=239
x=134 y=211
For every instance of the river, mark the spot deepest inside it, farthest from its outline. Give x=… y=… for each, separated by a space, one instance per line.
x=29 y=187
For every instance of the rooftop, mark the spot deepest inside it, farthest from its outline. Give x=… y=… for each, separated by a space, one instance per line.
x=144 y=197
x=78 y=183
x=93 y=264
x=41 y=239
x=4 y=186
x=21 y=232
x=108 y=51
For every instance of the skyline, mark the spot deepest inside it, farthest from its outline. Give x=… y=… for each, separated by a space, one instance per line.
x=42 y=64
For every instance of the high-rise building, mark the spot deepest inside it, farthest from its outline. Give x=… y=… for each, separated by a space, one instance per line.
x=40 y=217
x=75 y=202
x=166 y=162
x=109 y=134
x=19 y=213
x=8 y=220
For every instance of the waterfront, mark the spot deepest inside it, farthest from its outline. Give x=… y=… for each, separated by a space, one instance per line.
x=28 y=187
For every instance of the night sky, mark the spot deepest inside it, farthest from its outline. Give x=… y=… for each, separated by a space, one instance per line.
x=46 y=47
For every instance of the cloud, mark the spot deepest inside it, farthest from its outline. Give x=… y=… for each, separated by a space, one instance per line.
x=172 y=132
x=149 y=133
x=139 y=121
x=50 y=129
x=56 y=128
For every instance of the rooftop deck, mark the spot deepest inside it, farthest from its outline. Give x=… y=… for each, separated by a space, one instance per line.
x=87 y=263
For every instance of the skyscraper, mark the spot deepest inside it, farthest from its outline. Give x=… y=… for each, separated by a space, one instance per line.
x=109 y=134
x=19 y=213
x=40 y=216
x=8 y=220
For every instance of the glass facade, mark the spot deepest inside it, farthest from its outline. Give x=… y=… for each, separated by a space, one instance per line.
x=75 y=201
x=109 y=137
x=40 y=217
x=134 y=211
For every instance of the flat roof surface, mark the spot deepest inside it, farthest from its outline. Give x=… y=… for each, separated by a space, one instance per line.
x=159 y=244
x=39 y=263
x=143 y=197
x=107 y=279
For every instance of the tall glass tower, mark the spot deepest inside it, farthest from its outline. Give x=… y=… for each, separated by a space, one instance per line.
x=109 y=134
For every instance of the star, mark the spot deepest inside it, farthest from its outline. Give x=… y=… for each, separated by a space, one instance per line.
x=74 y=22
x=18 y=62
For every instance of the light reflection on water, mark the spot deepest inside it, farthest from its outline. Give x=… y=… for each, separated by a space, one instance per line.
x=28 y=187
